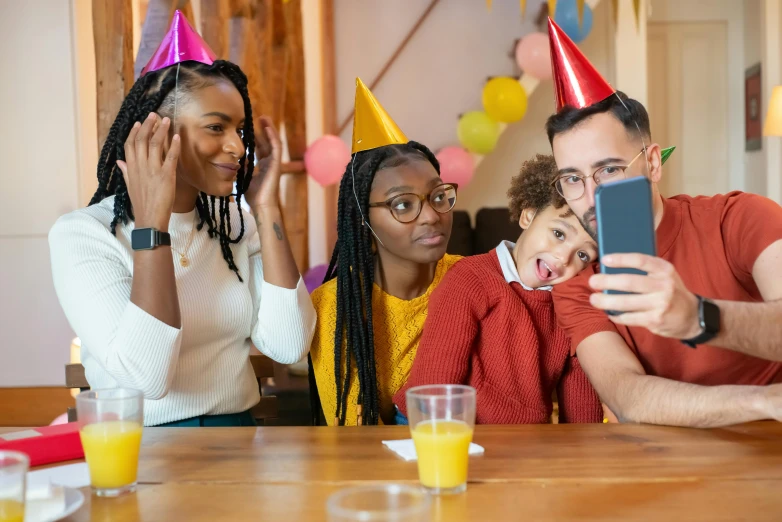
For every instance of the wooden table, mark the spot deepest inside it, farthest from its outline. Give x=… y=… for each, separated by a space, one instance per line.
x=550 y=472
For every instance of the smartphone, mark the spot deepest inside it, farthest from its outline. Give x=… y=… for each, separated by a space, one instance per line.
x=625 y=223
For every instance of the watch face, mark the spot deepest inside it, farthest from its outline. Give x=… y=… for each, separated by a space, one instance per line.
x=142 y=239
x=711 y=317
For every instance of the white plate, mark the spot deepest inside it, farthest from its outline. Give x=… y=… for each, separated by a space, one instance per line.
x=74 y=499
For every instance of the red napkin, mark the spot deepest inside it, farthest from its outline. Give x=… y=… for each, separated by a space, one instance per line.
x=47 y=444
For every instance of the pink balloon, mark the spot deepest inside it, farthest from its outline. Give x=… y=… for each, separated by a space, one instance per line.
x=456 y=165
x=326 y=159
x=533 y=56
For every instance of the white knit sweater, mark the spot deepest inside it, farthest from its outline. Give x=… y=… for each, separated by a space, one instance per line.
x=202 y=368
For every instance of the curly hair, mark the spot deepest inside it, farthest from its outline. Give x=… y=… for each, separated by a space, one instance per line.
x=533 y=187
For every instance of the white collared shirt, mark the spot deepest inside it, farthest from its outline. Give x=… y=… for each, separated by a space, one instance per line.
x=508 y=266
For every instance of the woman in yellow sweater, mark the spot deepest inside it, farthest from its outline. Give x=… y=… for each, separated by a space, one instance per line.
x=393 y=227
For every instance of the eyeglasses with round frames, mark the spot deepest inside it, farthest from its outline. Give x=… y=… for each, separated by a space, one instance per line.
x=407 y=207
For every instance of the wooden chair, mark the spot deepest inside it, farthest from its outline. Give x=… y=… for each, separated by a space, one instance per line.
x=263 y=368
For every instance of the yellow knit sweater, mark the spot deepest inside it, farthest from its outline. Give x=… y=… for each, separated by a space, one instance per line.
x=397 y=326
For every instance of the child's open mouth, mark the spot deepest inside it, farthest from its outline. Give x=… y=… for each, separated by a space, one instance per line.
x=544 y=271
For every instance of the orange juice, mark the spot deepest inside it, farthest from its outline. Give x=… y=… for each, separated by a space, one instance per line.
x=11 y=511
x=111 y=449
x=442 y=447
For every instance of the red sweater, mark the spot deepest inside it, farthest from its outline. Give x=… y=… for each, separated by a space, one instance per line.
x=504 y=341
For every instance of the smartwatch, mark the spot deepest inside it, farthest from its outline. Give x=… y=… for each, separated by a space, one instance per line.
x=709 y=320
x=148 y=238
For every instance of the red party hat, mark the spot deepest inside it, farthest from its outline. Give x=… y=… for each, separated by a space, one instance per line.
x=181 y=44
x=576 y=81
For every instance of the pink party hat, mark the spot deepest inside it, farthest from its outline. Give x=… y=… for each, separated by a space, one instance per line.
x=181 y=44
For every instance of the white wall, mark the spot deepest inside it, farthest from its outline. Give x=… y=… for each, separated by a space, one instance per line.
x=771 y=75
x=731 y=12
x=441 y=74
x=754 y=161
x=313 y=73
x=38 y=182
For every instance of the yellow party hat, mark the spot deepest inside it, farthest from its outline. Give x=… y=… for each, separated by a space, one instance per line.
x=372 y=126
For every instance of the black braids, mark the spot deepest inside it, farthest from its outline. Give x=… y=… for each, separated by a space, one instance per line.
x=428 y=153
x=135 y=113
x=105 y=163
x=213 y=200
x=119 y=210
x=357 y=337
x=365 y=254
x=315 y=407
x=315 y=404
x=362 y=245
x=202 y=207
x=228 y=225
x=343 y=385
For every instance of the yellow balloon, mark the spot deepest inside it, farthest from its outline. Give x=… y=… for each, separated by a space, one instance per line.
x=477 y=132
x=504 y=99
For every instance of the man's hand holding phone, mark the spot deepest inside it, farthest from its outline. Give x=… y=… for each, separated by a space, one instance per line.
x=659 y=300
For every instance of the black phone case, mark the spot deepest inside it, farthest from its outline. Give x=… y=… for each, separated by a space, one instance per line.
x=625 y=222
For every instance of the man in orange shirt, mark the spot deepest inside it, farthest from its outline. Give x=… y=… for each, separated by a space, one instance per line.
x=700 y=340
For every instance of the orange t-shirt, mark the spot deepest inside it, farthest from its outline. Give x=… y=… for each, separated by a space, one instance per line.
x=713 y=242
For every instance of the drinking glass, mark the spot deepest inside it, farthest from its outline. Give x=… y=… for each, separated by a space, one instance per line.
x=442 y=418
x=111 y=423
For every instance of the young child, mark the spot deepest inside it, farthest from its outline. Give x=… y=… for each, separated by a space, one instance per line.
x=491 y=321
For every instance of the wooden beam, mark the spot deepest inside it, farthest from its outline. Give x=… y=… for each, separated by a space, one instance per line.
x=331 y=193
x=187 y=9
x=112 y=26
x=276 y=58
x=242 y=8
x=295 y=101
x=214 y=25
x=250 y=50
x=293 y=204
x=292 y=167
x=293 y=187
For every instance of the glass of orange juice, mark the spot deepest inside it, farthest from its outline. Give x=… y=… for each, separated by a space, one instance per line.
x=442 y=418
x=13 y=473
x=111 y=423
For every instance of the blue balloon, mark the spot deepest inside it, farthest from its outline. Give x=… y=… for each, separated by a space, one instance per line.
x=567 y=18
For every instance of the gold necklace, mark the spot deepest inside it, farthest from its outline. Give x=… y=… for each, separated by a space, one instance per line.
x=183 y=260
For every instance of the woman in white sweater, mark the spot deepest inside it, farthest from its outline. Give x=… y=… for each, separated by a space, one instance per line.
x=178 y=322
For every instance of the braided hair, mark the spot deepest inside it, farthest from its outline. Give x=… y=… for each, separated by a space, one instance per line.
x=353 y=265
x=155 y=92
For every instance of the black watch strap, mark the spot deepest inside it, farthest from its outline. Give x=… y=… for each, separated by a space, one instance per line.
x=709 y=319
x=149 y=238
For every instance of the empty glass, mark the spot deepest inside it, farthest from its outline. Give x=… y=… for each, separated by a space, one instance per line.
x=382 y=503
